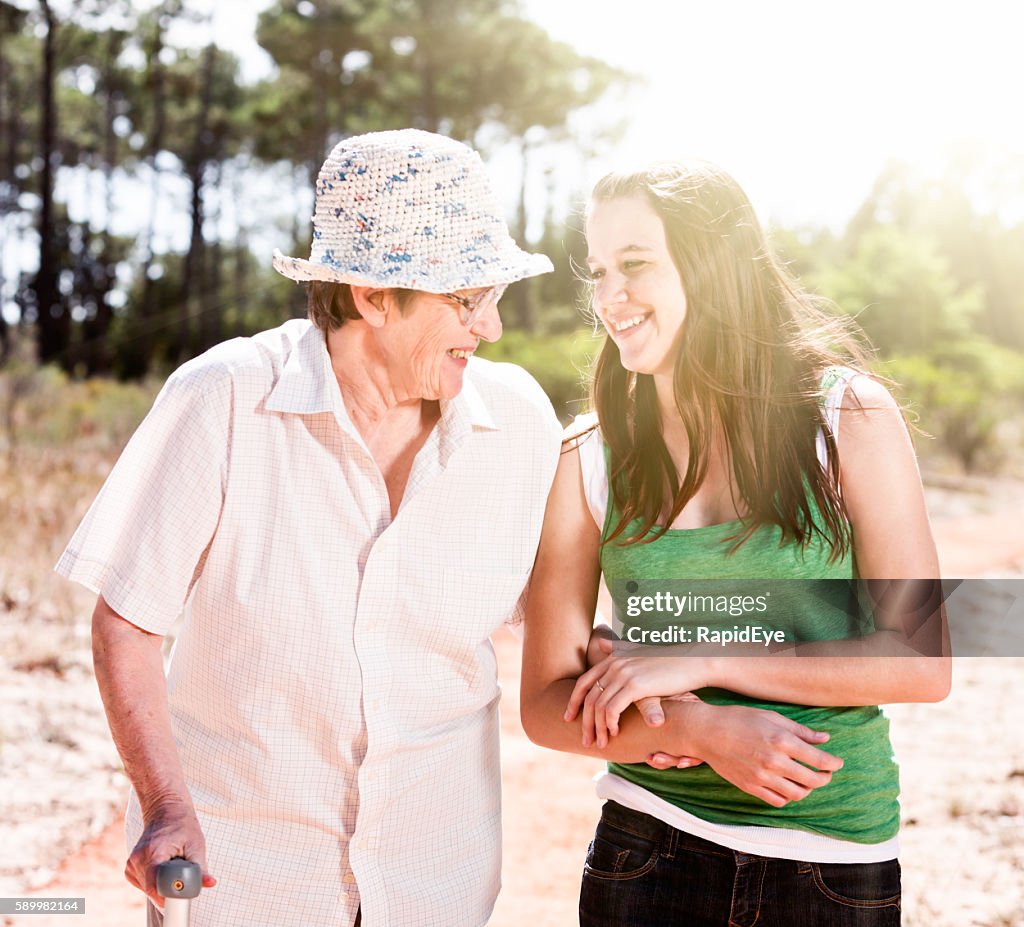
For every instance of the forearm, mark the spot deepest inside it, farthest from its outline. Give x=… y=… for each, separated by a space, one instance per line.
x=543 y=720
x=878 y=669
x=129 y=672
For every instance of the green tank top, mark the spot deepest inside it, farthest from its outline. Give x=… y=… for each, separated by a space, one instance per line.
x=861 y=803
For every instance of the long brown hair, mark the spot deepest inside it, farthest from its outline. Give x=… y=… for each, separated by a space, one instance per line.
x=754 y=346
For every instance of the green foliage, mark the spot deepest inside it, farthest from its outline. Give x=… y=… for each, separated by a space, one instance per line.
x=930 y=266
x=926 y=266
x=204 y=104
x=969 y=394
x=105 y=411
x=19 y=108
x=249 y=298
x=901 y=291
x=971 y=213
x=805 y=250
x=126 y=97
x=42 y=407
x=559 y=362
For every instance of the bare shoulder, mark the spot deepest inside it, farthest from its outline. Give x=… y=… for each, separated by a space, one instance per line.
x=878 y=466
x=881 y=485
x=865 y=394
x=870 y=416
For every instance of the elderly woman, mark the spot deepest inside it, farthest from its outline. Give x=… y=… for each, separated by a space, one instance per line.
x=318 y=499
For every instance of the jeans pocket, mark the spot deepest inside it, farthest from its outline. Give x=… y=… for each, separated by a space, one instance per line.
x=859 y=885
x=619 y=854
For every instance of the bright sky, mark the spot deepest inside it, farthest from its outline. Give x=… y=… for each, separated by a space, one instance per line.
x=803 y=101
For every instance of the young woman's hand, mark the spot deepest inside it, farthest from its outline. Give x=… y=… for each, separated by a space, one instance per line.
x=628 y=674
x=651 y=707
x=765 y=754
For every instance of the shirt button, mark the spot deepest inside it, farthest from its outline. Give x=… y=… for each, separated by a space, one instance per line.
x=350 y=879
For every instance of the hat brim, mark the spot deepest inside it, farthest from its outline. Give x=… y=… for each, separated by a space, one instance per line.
x=517 y=265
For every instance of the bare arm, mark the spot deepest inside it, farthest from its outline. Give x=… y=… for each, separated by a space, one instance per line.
x=759 y=751
x=130 y=674
x=904 y=660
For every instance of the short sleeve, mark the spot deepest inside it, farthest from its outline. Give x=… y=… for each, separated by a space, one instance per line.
x=143 y=540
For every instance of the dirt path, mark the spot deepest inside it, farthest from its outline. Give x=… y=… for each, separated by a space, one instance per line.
x=962 y=775
x=982 y=545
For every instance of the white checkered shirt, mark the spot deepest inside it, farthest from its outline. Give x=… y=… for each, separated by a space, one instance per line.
x=333 y=691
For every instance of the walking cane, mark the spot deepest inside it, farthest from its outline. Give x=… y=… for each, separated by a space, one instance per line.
x=178 y=881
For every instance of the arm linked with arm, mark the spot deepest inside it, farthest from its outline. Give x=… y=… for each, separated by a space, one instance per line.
x=898 y=566
x=761 y=752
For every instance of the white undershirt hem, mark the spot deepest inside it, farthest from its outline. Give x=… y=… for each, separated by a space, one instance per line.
x=777 y=842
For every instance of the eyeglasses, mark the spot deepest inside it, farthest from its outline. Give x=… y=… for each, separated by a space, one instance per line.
x=472 y=307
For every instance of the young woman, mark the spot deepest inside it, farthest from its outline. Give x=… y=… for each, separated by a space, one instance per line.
x=736 y=438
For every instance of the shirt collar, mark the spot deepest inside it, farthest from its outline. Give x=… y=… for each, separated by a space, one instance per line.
x=307 y=386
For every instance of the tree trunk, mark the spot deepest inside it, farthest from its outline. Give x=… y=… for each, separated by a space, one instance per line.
x=429 y=118
x=8 y=187
x=241 y=265
x=211 y=305
x=53 y=321
x=524 y=302
x=193 y=277
x=325 y=85
x=147 y=306
x=97 y=348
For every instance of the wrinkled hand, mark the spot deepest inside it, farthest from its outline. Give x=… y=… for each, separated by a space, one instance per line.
x=171 y=830
x=629 y=673
x=765 y=754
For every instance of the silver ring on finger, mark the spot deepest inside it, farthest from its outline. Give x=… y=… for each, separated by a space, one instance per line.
x=599 y=685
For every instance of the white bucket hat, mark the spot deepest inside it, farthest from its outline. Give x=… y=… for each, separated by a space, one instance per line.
x=409 y=209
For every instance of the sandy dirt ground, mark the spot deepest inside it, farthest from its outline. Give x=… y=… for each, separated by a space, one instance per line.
x=962 y=769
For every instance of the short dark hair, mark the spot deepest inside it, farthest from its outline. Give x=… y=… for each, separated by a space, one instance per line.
x=330 y=305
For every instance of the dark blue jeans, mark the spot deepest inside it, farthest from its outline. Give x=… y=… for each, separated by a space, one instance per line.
x=642 y=873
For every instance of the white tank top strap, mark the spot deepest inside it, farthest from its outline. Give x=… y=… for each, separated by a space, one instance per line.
x=833 y=384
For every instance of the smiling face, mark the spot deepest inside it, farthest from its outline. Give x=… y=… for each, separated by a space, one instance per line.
x=638 y=294
x=427 y=347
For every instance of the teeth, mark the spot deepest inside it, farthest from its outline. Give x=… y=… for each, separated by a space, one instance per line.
x=462 y=355
x=628 y=323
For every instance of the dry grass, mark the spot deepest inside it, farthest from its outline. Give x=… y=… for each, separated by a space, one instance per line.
x=59 y=768
x=61 y=774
